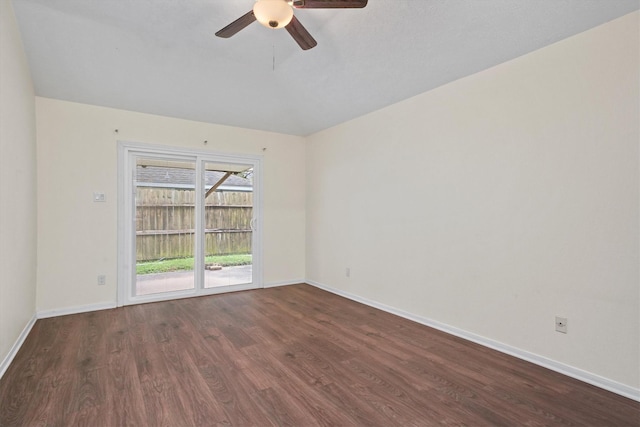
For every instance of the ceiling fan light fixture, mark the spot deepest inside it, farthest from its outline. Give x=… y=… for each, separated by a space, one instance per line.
x=273 y=13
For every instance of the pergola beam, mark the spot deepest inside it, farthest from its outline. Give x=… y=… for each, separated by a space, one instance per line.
x=217 y=184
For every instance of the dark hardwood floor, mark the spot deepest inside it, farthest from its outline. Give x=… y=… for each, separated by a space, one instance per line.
x=294 y=355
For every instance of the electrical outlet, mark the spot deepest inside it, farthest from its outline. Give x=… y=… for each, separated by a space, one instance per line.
x=561 y=324
x=347 y=272
x=98 y=196
x=102 y=280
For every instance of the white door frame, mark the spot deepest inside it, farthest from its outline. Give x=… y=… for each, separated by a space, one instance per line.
x=126 y=219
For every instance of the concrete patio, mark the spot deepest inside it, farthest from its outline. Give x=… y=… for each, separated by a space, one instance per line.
x=180 y=280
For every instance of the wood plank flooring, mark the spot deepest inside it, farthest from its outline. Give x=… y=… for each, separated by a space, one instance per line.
x=294 y=355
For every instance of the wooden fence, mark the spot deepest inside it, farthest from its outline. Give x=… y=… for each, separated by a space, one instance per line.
x=165 y=223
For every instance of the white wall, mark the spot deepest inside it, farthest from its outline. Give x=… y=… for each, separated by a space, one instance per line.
x=77 y=155
x=17 y=185
x=496 y=202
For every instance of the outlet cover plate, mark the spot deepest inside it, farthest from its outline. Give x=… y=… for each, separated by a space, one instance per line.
x=561 y=324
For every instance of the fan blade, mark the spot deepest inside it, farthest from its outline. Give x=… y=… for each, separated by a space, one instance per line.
x=236 y=25
x=300 y=34
x=328 y=4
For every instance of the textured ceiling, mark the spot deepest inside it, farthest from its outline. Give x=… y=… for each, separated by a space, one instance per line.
x=161 y=56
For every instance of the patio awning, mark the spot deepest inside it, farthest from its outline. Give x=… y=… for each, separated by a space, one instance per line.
x=218 y=167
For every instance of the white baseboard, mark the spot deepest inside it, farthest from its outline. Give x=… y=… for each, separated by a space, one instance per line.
x=16 y=346
x=44 y=314
x=573 y=372
x=286 y=283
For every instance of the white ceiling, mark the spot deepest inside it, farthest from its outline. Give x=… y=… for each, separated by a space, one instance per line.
x=161 y=56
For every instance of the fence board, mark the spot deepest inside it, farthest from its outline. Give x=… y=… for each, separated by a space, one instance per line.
x=165 y=223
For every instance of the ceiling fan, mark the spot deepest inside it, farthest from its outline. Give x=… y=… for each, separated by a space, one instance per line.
x=279 y=13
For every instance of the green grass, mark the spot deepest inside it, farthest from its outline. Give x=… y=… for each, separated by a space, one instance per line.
x=179 y=264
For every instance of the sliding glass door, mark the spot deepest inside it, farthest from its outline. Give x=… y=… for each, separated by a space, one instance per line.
x=165 y=216
x=188 y=224
x=228 y=221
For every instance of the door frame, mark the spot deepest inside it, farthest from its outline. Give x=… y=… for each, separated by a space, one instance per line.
x=126 y=219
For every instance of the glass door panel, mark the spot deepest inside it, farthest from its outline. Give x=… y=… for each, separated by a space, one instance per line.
x=228 y=219
x=165 y=212
x=187 y=224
